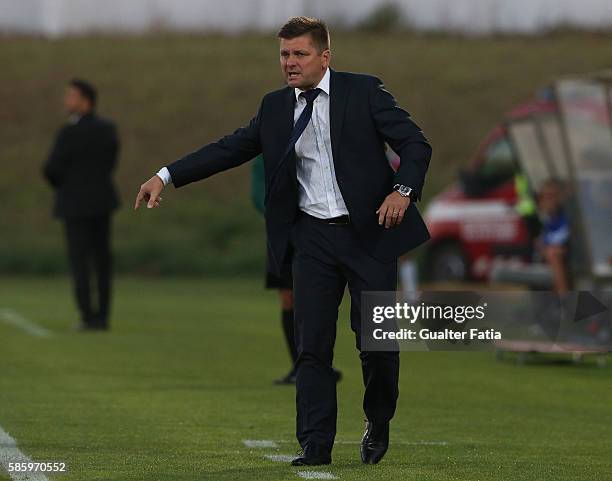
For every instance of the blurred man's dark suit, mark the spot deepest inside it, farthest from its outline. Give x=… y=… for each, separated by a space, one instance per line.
x=362 y=116
x=79 y=168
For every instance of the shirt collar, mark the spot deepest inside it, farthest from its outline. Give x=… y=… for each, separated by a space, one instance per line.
x=74 y=119
x=323 y=85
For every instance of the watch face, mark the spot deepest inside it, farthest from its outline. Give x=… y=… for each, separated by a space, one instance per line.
x=402 y=189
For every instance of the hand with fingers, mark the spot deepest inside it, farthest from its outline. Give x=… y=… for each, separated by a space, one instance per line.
x=150 y=193
x=391 y=212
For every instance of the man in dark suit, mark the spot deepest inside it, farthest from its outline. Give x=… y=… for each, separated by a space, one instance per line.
x=336 y=207
x=79 y=169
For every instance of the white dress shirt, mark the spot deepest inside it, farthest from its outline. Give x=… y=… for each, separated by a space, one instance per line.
x=319 y=194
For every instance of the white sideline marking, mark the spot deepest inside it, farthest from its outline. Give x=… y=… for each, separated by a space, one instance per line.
x=259 y=443
x=279 y=458
x=10 y=453
x=426 y=443
x=403 y=443
x=13 y=318
x=316 y=475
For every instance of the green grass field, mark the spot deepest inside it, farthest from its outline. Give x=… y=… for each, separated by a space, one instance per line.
x=185 y=375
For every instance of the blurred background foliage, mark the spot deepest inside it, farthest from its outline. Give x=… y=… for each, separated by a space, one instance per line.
x=171 y=93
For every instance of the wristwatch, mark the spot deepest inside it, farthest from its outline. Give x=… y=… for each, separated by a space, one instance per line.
x=403 y=190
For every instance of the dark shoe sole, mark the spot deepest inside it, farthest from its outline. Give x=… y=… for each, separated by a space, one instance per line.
x=304 y=462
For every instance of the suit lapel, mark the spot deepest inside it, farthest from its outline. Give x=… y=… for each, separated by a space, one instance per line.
x=286 y=128
x=338 y=94
x=286 y=118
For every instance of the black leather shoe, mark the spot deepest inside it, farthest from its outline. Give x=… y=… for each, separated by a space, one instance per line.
x=312 y=455
x=375 y=442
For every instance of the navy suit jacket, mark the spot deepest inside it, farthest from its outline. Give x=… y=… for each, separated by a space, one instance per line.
x=363 y=116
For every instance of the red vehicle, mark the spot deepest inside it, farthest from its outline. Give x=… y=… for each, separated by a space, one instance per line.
x=474 y=223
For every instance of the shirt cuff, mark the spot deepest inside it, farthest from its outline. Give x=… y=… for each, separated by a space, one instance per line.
x=164 y=175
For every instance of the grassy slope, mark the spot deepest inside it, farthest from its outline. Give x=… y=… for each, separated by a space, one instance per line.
x=185 y=376
x=171 y=94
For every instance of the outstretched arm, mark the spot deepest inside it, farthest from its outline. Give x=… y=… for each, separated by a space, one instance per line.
x=230 y=151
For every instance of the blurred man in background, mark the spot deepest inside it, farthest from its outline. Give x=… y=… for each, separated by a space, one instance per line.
x=79 y=169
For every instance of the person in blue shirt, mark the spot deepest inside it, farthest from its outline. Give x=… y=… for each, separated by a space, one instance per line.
x=555 y=235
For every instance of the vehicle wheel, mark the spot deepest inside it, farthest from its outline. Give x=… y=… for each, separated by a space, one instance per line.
x=447 y=264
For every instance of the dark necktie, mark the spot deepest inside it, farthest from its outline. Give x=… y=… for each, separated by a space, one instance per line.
x=302 y=121
x=298 y=130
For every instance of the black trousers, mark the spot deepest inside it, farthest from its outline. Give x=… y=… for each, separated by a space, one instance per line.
x=326 y=258
x=89 y=253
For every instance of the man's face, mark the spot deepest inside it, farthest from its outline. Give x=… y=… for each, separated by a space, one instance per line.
x=74 y=102
x=302 y=65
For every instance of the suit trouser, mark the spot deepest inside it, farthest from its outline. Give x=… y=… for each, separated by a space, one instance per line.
x=327 y=257
x=89 y=249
